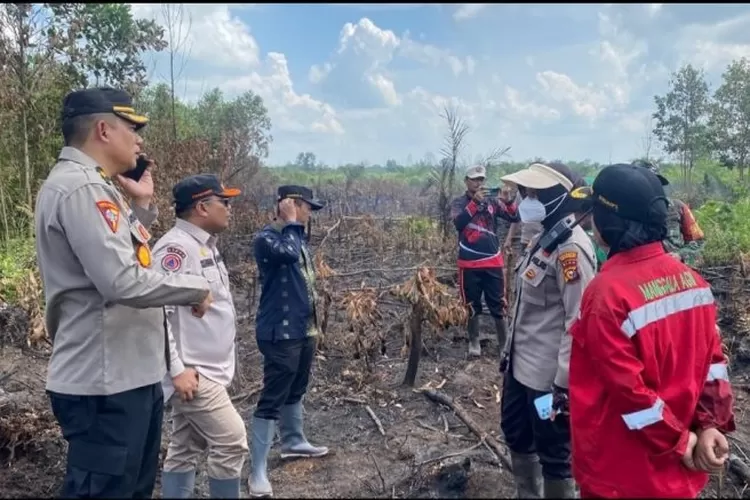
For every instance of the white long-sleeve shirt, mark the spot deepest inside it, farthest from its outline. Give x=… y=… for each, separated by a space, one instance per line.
x=205 y=344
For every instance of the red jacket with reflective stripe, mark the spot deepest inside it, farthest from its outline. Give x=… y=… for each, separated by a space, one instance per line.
x=646 y=367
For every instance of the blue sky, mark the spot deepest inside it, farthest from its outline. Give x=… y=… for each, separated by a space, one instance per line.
x=367 y=82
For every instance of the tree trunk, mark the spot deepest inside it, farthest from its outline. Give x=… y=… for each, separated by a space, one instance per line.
x=6 y=222
x=415 y=344
x=171 y=86
x=27 y=169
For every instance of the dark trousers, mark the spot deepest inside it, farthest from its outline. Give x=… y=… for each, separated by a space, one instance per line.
x=113 y=442
x=489 y=282
x=526 y=433
x=286 y=372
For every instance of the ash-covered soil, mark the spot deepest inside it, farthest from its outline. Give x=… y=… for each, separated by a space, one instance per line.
x=405 y=462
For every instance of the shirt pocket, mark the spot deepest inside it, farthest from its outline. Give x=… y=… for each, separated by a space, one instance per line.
x=213 y=276
x=532 y=285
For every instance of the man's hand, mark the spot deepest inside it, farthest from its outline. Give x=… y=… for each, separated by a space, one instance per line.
x=711 y=450
x=687 y=458
x=504 y=358
x=508 y=246
x=142 y=191
x=200 y=309
x=479 y=195
x=559 y=402
x=186 y=384
x=288 y=210
x=505 y=194
x=676 y=256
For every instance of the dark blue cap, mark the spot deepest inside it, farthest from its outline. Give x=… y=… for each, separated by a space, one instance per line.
x=300 y=193
x=101 y=100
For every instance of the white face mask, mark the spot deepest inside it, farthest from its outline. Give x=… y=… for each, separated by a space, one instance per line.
x=533 y=210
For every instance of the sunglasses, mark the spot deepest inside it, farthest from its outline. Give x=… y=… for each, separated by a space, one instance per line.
x=224 y=201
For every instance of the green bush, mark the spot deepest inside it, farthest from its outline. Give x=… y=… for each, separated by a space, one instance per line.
x=420 y=226
x=16 y=258
x=727 y=230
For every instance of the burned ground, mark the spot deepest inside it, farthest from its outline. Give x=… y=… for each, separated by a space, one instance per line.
x=386 y=439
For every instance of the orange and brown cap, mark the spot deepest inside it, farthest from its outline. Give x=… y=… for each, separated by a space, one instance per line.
x=197 y=187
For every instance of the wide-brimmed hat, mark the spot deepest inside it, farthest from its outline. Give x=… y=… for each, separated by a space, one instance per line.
x=538 y=176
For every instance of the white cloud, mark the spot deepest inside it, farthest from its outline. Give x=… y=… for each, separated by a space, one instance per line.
x=654 y=8
x=215 y=36
x=386 y=88
x=381 y=91
x=527 y=108
x=468 y=10
x=714 y=46
x=363 y=58
x=585 y=101
x=231 y=45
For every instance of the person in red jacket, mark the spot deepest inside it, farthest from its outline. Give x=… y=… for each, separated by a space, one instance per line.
x=649 y=399
x=480 y=258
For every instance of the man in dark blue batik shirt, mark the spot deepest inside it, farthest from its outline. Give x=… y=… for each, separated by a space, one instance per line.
x=286 y=327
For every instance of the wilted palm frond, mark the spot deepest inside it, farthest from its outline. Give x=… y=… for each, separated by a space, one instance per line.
x=322 y=270
x=441 y=307
x=362 y=311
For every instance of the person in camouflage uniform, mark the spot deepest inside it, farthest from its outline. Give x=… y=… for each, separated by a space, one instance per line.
x=685 y=239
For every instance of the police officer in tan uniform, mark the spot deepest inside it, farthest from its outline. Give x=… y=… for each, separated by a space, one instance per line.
x=202 y=349
x=550 y=279
x=104 y=301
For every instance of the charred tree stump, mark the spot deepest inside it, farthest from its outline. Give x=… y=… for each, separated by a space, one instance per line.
x=415 y=344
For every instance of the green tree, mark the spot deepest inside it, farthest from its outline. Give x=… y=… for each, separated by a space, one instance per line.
x=730 y=117
x=106 y=43
x=681 y=118
x=306 y=161
x=46 y=50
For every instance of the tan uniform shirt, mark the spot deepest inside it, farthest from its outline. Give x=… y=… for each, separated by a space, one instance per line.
x=548 y=295
x=206 y=344
x=104 y=308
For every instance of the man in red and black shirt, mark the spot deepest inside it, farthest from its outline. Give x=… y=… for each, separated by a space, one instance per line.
x=650 y=398
x=480 y=259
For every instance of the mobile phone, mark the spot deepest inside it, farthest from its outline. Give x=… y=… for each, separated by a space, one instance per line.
x=140 y=166
x=543 y=406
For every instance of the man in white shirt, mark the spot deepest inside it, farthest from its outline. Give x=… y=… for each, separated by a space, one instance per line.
x=202 y=349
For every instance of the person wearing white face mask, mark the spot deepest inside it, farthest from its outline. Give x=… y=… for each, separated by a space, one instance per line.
x=549 y=285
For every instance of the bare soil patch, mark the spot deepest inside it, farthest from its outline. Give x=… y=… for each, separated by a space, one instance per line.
x=424 y=450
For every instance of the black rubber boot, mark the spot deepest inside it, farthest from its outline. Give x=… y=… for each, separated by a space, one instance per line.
x=527 y=472
x=559 y=488
x=502 y=334
x=475 y=350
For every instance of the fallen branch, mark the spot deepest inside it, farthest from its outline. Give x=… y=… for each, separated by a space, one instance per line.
x=497 y=448
x=358 y=401
x=451 y=455
x=739 y=467
x=375 y=419
x=389 y=270
x=242 y=397
x=380 y=474
x=328 y=233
